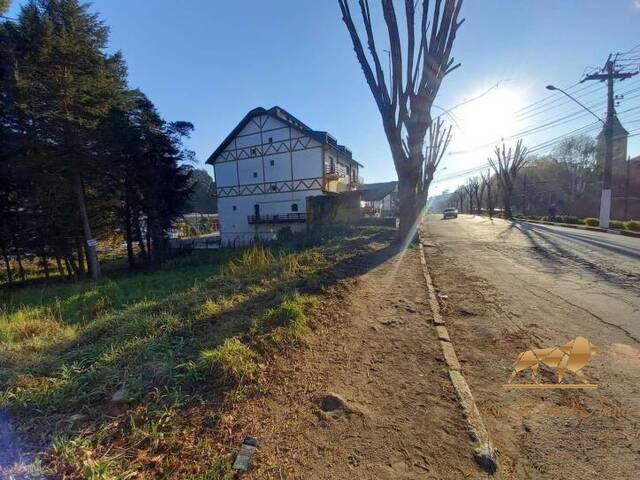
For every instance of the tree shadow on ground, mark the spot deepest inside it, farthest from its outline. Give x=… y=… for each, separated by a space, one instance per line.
x=150 y=346
x=554 y=255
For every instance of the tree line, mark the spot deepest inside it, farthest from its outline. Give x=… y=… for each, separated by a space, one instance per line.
x=566 y=181
x=82 y=155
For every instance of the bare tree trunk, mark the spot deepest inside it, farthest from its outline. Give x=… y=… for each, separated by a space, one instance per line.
x=81 y=270
x=507 y=193
x=20 y=267
x=71 y=267
x=45 y=263
x=94 y=266
x=7 y=265
x=489 y=200
x=59 y=265
x=128 y=233
x=138 y=231
x=407 y=184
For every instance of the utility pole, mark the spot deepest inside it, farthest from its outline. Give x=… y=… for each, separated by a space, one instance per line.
x=609 y=74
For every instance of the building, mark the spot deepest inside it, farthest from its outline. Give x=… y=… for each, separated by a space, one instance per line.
x=379 y=199
x=631 y=196
x=618 y=164
x=266 y=168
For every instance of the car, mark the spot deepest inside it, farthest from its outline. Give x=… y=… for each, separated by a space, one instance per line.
x=450 y=213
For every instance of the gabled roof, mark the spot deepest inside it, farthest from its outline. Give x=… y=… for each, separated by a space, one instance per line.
x=376 y=191
x=285 y=117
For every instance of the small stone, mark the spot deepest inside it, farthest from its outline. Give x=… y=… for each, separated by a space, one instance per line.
x=77 y=417
x=120 y=395
x=486 y=458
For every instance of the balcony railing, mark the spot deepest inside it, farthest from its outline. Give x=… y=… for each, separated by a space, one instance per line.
x=280 y=218
x=331 y=173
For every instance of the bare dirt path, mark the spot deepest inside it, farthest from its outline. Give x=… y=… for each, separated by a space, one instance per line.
x=511 y=287
x=379 y=353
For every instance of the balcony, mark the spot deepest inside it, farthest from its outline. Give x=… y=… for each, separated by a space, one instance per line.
x=280 y=218
x=330 y=173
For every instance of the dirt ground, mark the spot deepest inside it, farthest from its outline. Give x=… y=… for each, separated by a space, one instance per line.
x=377 y=352
x=509 y=289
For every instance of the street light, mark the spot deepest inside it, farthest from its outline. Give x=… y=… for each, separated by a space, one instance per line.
x=551 y=87
x=605 y=198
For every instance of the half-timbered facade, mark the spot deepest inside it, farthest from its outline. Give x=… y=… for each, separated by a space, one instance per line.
x=267 y=167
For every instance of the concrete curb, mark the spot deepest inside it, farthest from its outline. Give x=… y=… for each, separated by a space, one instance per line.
x=484 y=453
x=626 y=233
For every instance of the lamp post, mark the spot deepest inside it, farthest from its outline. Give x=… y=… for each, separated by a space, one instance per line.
x=605 y=198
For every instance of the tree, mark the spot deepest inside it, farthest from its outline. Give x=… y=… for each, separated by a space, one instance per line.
x=468 y=190
x=61 y=51
x=4 y=6
x=486 y=185
x=439 y=139
x=203 y=199
x=405 y=99
x=578 y=155
x=472 y=186
x=506 y=166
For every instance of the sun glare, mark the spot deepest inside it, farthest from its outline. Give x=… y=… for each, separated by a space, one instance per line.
x=488 y=118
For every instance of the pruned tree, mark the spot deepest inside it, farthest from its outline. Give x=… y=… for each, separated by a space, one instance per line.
x=506 y=166
x=485 y=185
x=474 y=187
x=405 y=99
x=468 y=190
x=439 y=139
x=460 y=194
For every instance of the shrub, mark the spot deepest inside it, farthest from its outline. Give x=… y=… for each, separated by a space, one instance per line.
x=633 y=225
x=233 y=360
x=571 y=219
x=285 y=234
x=255 y=260
x=617 y=224
x=592 y=222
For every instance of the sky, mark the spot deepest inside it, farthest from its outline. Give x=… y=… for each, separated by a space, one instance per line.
x=210 y=62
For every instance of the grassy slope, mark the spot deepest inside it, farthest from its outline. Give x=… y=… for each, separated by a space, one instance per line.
x=179 y=344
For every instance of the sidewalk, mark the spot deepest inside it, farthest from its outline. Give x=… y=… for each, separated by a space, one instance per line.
x=628 y=233
x=371 y=397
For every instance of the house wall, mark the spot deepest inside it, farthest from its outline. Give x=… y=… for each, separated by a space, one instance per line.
x=346 y=168
x=269 y=164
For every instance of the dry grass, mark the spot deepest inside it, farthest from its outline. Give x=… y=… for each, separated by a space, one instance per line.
x=186 y=343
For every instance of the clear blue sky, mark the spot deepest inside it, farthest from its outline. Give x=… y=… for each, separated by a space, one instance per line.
x=210 y=62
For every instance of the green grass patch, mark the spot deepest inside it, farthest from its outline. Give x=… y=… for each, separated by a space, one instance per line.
x=181 y=343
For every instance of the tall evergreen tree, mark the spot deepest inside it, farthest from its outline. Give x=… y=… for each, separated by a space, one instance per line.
x=67 y=84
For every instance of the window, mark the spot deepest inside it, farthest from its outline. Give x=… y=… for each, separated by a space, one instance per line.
x=294 y=207
x=235 y=208
x=272 y=162
x=270 y=139
x=274 y=187
x=255 y=174
x=254 y=151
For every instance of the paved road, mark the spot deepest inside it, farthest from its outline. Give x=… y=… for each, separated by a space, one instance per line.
x=513 y=286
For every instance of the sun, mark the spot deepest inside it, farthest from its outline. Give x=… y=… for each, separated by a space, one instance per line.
x=488 y=119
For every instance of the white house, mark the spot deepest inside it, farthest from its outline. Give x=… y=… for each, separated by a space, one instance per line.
x=266 y=168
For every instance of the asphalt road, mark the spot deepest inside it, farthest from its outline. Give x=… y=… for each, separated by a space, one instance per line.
x=512 y=286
